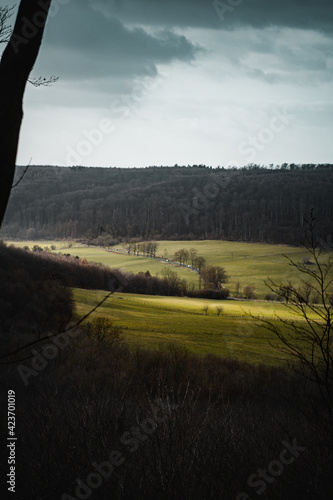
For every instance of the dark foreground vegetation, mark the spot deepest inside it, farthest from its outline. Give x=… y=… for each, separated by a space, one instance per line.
x=62 y=270
x=97 y=419
x=109 y=205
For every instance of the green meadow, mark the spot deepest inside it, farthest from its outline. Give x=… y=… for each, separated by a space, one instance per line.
x=246 y=263
x=152 y=321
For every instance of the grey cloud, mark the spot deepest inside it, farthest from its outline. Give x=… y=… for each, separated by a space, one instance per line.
x=82 y=43
x=259 y=74
x=102 y=58
x=305 y=14
x=313 y=114
x=278 y=55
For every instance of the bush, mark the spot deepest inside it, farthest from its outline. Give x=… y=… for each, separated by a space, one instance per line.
x=219 y=310
x=102 y=328
x=271 y=296
x=248 y=292
x=205 y=310
x=209 y=294
x=31 y=303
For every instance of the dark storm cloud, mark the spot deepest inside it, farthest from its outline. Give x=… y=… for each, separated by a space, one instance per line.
x=81 y=42
x=227 y=14
x=125 y=39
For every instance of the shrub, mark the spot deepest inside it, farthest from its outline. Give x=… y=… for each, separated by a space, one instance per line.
x=248 y=292
x=219 y=310
x=209 y=294
x=102 y=328
x=205 y=310
x=271 y=296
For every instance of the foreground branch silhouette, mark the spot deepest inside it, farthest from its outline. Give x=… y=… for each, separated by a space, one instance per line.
x=309 y=340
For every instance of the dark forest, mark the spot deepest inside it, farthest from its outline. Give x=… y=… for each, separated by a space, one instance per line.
x=112 y=204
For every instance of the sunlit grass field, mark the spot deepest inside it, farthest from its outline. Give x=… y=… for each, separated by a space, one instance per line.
x=247 y=263
x=151 y=321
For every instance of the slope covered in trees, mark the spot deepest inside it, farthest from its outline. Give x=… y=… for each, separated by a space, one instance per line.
x=69 y=271
x=249 y=204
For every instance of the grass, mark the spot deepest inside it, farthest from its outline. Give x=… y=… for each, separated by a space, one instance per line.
x=153 y=320
x=60 y=245
x=247 y=263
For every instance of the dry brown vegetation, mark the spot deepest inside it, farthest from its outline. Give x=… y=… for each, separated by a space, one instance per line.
x=230 y=420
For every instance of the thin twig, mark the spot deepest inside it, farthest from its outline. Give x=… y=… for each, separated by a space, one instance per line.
x=43 y=82
x=24 y=172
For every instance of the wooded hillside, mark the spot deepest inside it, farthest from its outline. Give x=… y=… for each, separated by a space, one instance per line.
x=249 y=204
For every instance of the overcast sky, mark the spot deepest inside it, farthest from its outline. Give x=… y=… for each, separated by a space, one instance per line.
x=149 y=82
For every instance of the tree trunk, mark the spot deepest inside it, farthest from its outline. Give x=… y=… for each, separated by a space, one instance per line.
x=16 y=64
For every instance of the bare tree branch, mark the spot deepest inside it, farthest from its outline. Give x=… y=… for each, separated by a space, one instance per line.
x=309 y=340
x=43 y=82
x=5 y=29
x=23 y=174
